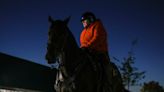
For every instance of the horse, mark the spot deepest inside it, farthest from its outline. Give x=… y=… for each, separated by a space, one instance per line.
x=75 y=73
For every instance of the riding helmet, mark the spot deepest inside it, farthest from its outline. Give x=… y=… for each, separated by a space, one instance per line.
x=88 y=15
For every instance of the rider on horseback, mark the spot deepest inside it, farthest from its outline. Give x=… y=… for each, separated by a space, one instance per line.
x=62 y=46
x=93 y=40
x=94 y=36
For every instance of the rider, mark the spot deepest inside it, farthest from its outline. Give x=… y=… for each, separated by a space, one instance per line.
x=94 y=36
x=93 y=39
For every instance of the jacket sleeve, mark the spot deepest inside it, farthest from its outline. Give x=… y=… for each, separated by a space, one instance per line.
x=82 y=41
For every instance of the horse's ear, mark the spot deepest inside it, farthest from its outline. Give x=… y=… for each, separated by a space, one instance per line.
x=50 y=19
x=67 y=20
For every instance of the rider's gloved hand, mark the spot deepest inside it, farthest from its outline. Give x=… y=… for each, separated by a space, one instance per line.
x=85 y=49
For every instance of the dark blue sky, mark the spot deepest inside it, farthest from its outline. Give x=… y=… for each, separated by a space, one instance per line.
x=24 y=27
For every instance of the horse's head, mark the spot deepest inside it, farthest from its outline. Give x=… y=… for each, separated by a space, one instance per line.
x=56 y=38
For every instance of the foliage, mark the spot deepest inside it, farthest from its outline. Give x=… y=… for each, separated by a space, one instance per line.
x=130 y=74
x=152 y=86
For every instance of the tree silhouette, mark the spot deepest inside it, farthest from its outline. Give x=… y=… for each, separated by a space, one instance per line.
x=152 y=86
x=130 y=74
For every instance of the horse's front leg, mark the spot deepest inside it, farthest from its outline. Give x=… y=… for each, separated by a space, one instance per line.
x=58 y=83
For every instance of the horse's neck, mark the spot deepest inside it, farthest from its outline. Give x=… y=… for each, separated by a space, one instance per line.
x=72 y=50
x=71 y=53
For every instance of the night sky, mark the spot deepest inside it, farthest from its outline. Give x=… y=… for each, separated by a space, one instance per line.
x=24 y=28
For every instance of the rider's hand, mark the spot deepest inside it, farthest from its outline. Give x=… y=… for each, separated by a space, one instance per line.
x=85 y=49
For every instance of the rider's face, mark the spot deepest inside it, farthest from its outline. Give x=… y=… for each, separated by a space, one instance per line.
x=85 y=23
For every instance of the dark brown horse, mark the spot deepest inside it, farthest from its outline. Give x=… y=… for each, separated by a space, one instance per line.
x=75 y=72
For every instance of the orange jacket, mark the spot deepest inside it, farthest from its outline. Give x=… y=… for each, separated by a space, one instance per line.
x=94 y=37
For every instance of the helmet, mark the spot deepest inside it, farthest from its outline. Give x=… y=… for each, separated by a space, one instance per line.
x=88 y=15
